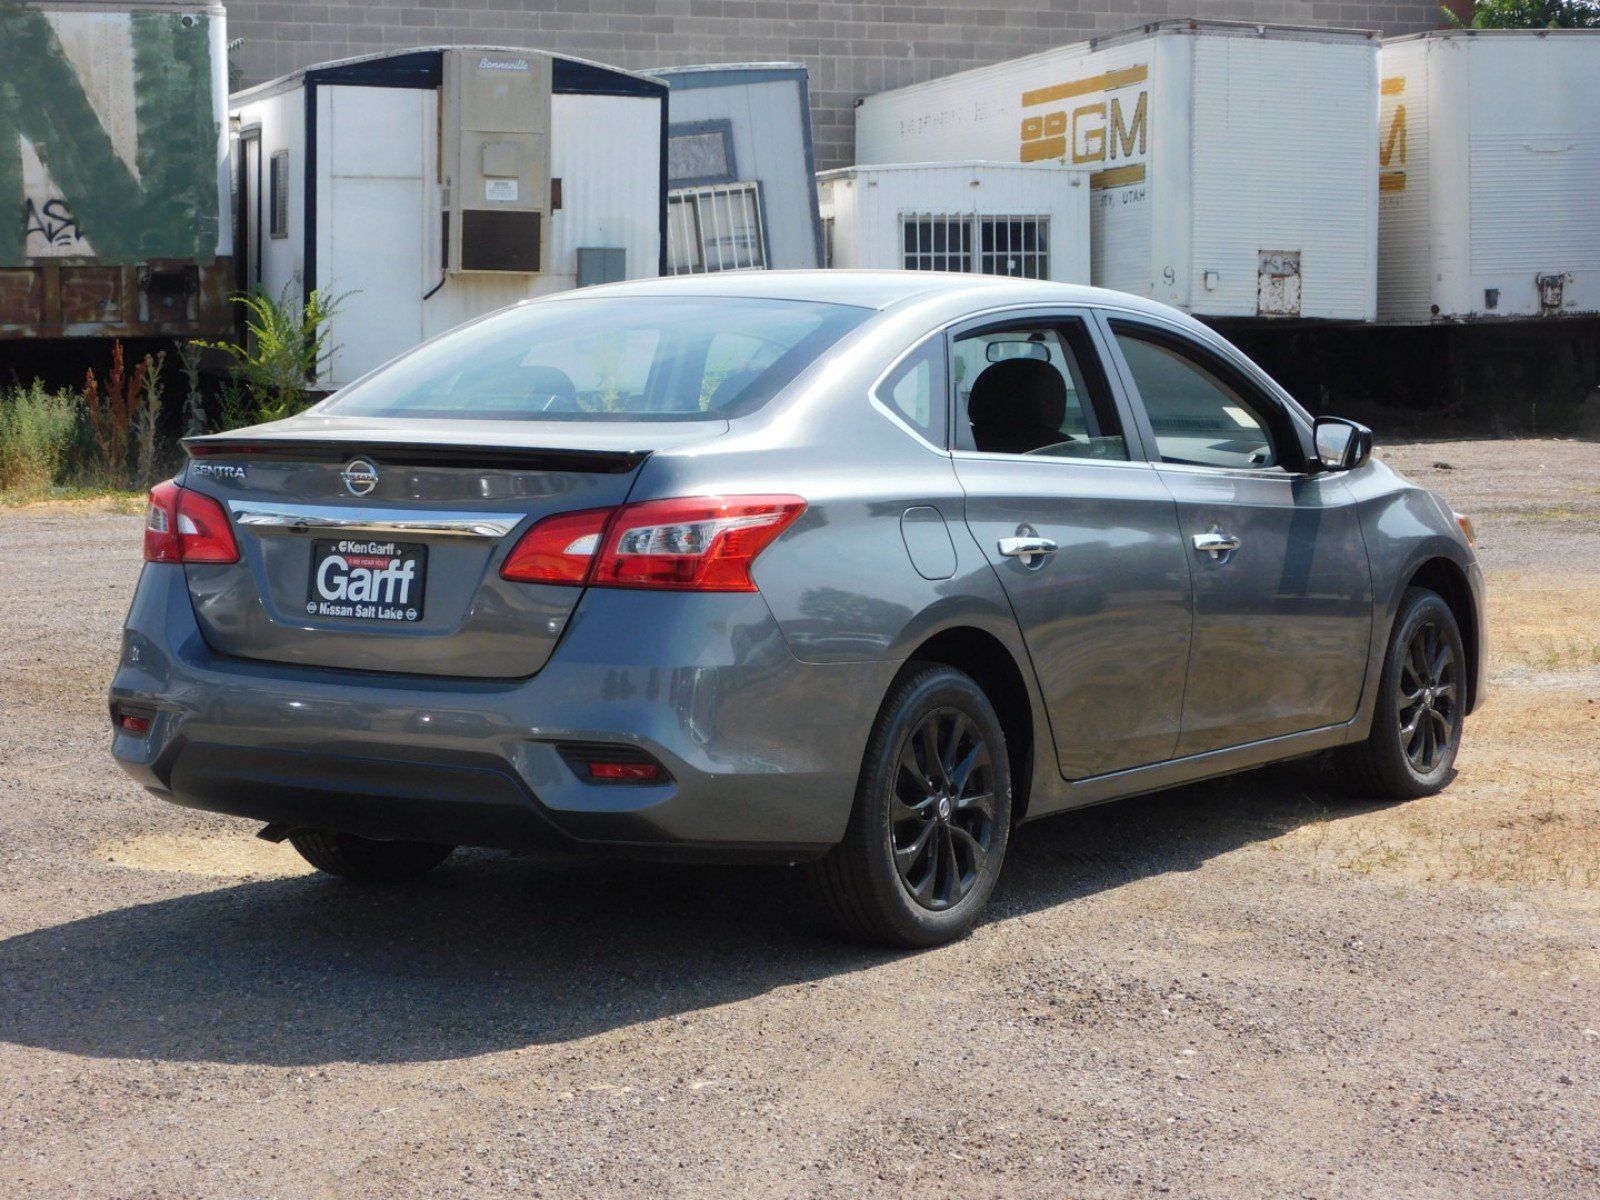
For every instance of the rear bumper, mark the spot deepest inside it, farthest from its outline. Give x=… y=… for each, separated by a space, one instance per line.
x=762 y=750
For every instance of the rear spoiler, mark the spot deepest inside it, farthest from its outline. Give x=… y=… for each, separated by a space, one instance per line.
x=416 y=454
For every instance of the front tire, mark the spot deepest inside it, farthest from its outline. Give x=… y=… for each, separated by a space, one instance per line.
x=366 y=860
x=931 y=820
x=1421 y=709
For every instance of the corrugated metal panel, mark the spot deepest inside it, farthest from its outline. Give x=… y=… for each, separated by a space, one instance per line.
x=1405 y=175
x=607 y=153
x=372 y=218
x=1282 y=154
x=1500 y=188
x=1533 y=169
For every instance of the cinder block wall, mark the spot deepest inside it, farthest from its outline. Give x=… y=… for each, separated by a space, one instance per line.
x=852 y=50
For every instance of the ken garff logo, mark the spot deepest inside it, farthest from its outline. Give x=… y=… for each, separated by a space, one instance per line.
x=360 y=477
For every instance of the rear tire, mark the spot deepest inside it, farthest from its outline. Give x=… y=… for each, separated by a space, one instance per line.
x=358 y=858
x=1421 y=709
x=931 y=820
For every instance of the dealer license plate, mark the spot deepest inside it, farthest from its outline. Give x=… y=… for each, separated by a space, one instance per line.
x=367 y=580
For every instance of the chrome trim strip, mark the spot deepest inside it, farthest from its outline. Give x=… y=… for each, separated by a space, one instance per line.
x=299 y=518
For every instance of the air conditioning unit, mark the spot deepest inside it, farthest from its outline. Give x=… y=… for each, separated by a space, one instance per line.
x=495 y=151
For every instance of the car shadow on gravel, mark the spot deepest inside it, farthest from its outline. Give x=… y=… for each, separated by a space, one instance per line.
x=492 y=953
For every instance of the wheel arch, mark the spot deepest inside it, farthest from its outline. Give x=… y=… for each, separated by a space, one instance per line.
x=995 y=669
x=1446 y=577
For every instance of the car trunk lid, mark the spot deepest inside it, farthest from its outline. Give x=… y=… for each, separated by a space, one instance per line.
x=376 y=545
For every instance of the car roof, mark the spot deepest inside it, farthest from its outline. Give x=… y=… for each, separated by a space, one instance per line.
x=876 y=289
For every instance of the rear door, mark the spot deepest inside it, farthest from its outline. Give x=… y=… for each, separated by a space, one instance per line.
x=1081 y=533
x=1282 y=586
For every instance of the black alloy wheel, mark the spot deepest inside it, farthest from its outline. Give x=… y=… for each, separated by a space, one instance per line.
x=932 y=816
x=942 y=815
x=1421 y=706
x=1427 y=698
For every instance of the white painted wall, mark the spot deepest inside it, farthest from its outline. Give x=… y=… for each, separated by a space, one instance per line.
x=868 y=205
x=1498 y=178
x=379 y=203
x=1252 y=141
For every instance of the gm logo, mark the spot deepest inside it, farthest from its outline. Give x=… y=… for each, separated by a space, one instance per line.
x=1092 y=127
x=360 y=477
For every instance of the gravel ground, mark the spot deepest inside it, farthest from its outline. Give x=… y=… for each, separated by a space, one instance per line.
x=1251 y=988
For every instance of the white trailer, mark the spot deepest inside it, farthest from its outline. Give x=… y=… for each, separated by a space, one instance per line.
x=741 y=169
x=1029 y=220
x=431 y=186
x=1489 y=157
x=114 y=164
x=1233 y=173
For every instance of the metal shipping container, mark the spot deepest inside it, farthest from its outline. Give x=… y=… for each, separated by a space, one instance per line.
x=741 y=169
x=1489 y=156
x=1233 y=173
x=426 y=187
x=113 y=162
x=1029 y=220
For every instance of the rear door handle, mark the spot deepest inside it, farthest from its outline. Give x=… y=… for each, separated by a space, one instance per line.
x=1216 y=543
x=1026 y=547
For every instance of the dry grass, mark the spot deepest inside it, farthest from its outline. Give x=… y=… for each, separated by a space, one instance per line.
x=1525 y=809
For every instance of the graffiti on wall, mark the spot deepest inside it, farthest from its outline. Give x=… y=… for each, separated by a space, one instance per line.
x=123 y=166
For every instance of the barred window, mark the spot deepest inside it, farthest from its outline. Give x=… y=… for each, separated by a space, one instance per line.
x=937 y=243
x=1017 y=246
x=1006 y=245
x=715 y=228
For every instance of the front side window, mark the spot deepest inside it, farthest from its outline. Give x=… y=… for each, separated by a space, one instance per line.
x=1035 y=389
x=614 y=358
x=1198 y=417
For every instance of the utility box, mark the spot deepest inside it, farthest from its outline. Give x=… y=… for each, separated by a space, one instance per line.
x=1231 y=166
x=114 y=157
x=1489 y=160
x=424 y=188
x=496 y=156
x=1025 y=220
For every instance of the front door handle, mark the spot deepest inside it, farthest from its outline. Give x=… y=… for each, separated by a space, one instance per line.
x=1026 y=548
x=1216 y=543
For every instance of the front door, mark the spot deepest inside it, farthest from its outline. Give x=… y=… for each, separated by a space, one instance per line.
x=1282 y=587
x=1083 y=536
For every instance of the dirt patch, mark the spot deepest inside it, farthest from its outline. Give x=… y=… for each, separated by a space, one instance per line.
x=223 y=857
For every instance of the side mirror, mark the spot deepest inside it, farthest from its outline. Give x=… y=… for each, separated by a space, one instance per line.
x=1341 y=445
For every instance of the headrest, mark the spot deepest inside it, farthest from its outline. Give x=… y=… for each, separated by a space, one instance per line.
x=1020 y=394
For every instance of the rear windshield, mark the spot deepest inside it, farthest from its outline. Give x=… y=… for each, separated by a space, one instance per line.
x=607 y=359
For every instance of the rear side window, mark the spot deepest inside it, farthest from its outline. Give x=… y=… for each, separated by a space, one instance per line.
x=607 y=359
x=915 y=391
x=1035 y=389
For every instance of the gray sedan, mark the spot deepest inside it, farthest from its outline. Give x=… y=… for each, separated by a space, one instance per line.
x=855 y=570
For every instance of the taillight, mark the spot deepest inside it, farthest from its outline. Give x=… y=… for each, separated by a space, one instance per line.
x=181 y=526
x=558 y=549
x=701 y=543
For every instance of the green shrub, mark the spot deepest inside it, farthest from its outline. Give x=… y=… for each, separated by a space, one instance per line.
x=286 y=344
x=36 y=431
